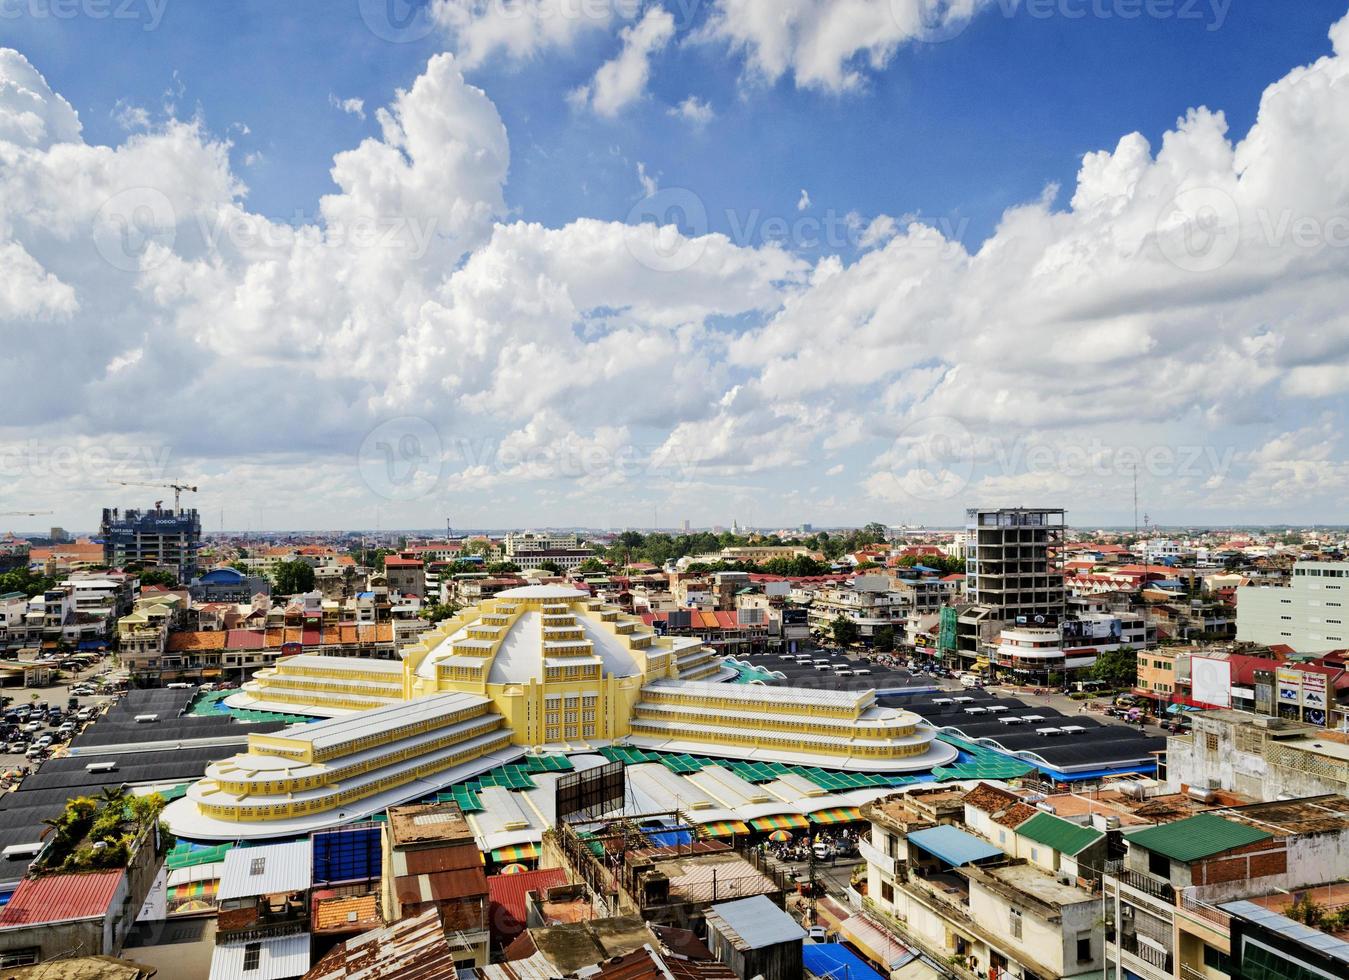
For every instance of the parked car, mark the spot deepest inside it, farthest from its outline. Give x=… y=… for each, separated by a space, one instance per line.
x=33 y=726
x=85 y=714
x=35 y=751
x=44 y=741
x=818 y=934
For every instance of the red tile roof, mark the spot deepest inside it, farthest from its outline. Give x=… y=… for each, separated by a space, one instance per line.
x=60 y=897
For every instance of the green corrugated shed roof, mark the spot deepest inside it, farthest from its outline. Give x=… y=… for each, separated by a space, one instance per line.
x=1061 y=835
x=1196 y=837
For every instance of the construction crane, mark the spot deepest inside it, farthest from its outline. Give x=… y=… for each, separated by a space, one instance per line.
x=24 y=513
x=177 y=489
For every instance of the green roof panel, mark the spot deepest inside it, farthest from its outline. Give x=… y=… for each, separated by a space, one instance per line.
x=1063 y=836
x=1196 y=837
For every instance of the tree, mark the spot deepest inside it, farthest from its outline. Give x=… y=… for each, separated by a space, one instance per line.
x=883 y=639
x=157 y=576
x=502 y=568
x=25 y=581
x=437 y=611
x=1117 y=668
x=549 y=566
x=845 y=631
x=592 y=566
x=293 y=577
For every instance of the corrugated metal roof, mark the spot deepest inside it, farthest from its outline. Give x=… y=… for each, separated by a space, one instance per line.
x=413 y=947
x=61 y=897
x=508 y=893
x=1331 y=946
x=753 y=923
x=279 y=957
x=953 y=845
x=267 y=870
x=1196 y=837
x=1062 y=836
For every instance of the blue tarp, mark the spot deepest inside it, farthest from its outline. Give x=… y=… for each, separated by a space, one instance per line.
x=348 y=854
x=837 y=962
x=953 y=845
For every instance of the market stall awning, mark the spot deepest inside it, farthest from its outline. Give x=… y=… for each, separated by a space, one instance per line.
x=875 y=942
x=518 y=852
x=838 y=814
x=725 y=828
x=781 y=821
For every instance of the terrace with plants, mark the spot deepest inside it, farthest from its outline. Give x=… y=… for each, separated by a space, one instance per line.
x=94 y=833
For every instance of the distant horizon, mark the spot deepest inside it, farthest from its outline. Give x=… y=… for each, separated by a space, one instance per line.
x=675 y=532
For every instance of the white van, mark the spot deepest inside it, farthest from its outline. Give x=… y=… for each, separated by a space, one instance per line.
x=971 y=680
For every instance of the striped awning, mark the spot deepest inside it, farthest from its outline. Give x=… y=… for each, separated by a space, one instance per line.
x=519 y=852
x=839 y=814
x=725 y=828
x=782 y=821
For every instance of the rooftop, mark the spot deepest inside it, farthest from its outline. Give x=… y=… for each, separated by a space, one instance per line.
x=953 y=845
x=1063 y=836
x=1027 y=880
x=271 y=869
x=414 y=946
x=61 y=897
x=1193 y=838
x=753 y=923
x=431 y=823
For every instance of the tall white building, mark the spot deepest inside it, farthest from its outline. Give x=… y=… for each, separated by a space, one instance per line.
x=1307 y=615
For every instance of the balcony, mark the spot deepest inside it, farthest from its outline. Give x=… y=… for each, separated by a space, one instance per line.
x=1150 y=960
x=874 y=855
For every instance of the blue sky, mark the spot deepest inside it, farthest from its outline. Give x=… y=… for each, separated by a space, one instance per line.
x=885 y=373
x=962 y=129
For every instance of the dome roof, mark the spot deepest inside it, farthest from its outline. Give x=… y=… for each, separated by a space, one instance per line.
x=521 y=651
x=543 y=592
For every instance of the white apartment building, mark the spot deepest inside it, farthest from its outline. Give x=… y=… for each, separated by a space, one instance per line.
x=868 y=601
x=1308 y=615
x=964 y=900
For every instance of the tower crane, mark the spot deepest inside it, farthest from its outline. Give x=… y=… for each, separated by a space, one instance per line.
x=24 y=513
x=177 y=489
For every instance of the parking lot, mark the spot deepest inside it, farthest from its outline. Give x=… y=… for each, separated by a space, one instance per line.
x=835 y=670
x=56 y=695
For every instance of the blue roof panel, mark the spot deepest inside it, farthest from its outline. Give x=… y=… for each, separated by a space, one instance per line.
x=953 y=845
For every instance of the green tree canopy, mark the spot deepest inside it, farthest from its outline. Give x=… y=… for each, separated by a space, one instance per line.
x=1118 y=668
x=157 y=576
x=292 y=577
x=845 y=631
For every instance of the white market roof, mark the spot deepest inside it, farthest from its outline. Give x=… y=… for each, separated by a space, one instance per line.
x=271 y=869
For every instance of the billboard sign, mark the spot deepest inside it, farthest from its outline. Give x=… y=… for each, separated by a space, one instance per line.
x=591 y=794
x=1314 y=690
x=1289 y=683
x=1211 y=681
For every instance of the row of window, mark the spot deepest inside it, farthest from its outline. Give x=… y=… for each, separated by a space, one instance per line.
x=341 y=773
x=346 y=796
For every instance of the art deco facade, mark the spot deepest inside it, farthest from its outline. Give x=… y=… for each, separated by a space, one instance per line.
x=532 y=668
